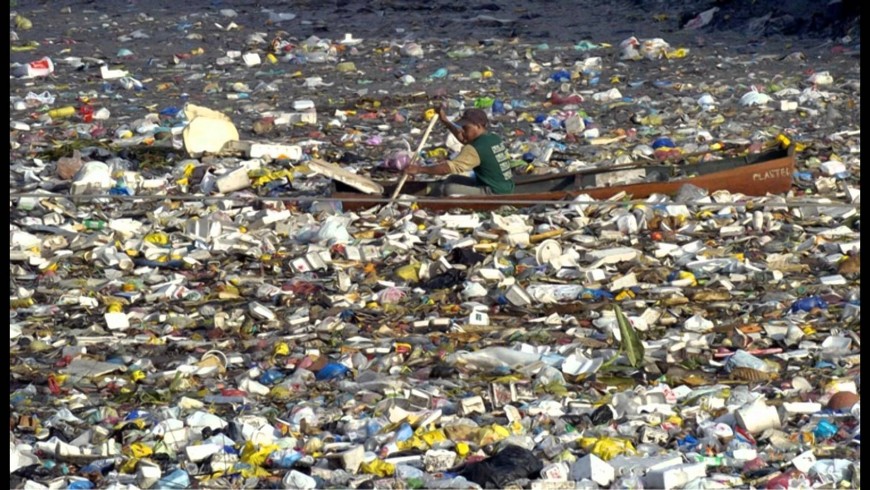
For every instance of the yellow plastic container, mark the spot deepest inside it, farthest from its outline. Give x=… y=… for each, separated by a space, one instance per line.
x=62 y=112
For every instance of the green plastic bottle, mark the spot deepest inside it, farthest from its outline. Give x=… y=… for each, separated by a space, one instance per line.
x=94 y=224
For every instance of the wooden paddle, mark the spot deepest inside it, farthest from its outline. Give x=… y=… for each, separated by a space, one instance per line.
x=414 y=158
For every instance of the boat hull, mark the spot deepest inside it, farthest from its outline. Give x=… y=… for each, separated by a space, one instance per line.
x=770 y=176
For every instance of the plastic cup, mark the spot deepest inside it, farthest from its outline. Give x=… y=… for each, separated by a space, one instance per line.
x=758 y=417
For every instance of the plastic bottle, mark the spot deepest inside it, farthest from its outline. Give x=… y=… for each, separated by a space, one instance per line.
x=808 y=304
x=271 y=376
x=285 y=458
x=42 y=67
x=176 y=479
x=688 y=443
x=97 y=466
x=405 y=432
x=561 y=76
x=824 y=430
x=332 y=370
x=221 y=399
x=62 y=112
x=717 y=460
x=93 y=224
x=596 y=294
x=317 y=57
x=461 y=53
x=631 y=481
x=80 y=484
x=131 y=83
x=86 y=112
x=405 y=472
x=121 y=188
x=663 y=142
x=455 y=482
x=373 y=427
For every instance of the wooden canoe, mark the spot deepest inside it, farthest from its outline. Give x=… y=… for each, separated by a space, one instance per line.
x=755 y=175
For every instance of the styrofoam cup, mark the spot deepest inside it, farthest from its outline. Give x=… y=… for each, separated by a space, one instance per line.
x=758 y=417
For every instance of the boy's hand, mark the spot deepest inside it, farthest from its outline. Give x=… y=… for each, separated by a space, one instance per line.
x=442 y=115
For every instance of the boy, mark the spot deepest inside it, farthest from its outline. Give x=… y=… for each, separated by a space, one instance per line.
x=482 y=152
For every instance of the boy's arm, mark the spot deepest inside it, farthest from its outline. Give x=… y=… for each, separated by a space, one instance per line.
x=467 y=160
x=442 y=168
x=454 y=129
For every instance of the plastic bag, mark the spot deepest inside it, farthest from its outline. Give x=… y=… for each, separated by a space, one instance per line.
x=689 y=193
x=334 y=230
x=446 y=280
x=607 y=448
x=510 y=464
x=397 y=161
x=466 y=256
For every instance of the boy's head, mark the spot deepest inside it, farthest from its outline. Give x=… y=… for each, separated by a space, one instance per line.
x=473 y=123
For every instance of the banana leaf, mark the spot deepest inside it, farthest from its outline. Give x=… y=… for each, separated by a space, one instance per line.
x=631 y=344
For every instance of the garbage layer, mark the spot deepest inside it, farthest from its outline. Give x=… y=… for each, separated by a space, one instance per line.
x=191 y=309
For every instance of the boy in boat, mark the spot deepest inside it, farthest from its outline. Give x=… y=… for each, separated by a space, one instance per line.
x=482 y=152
